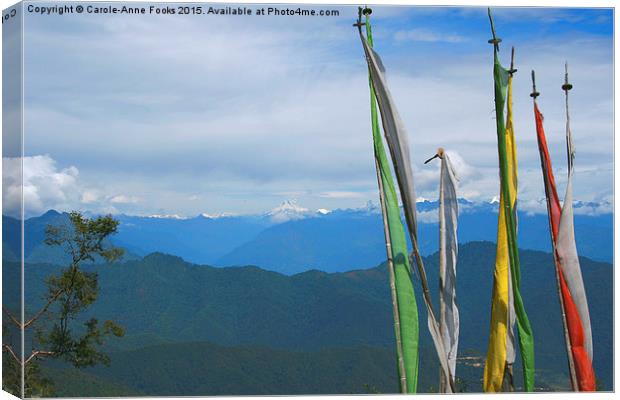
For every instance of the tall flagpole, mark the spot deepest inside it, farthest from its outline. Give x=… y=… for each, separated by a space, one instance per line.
x=388 y=246
x=508 y=371
x=448 y=250
x=569 y=147
x=582 y=345
x=569 y=352
x=442 y=267
x=569 y=139
x=526 y=339
x=397 y=143
x=386 y=230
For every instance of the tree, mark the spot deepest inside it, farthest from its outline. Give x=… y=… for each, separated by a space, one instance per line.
x=53 y=328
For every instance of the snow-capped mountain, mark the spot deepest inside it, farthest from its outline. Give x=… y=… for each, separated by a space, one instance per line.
x=167 y=216
x=293 y=238
x=217 y=215
x=290 y=211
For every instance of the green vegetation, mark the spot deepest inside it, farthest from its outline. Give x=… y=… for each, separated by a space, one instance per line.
x=73 y=382
x=57 y=330
x=203 y=368
x=196 y=330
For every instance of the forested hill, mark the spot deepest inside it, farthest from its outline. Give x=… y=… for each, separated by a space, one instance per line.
x=165 y=301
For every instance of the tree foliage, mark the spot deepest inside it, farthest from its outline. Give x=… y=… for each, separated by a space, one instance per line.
x=56 y=332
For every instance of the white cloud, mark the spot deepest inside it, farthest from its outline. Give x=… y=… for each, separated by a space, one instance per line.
x=463 y=170
x=427 y=35
x=533 y=206
x=605 y=207
x=123 y=199
x=428 y=217
x=470 y=179
x=44 y=185
x=270 y=109
x=90 y=196
x=342 y=195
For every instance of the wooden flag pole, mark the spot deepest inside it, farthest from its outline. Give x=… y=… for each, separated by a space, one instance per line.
x=569 y=150
x=388 y=246
x=569 y=139
x=405 y=186
x=508 y=379
x=388 y=240
x=427 y=296
x=569 y=352
x=442 y=246
x=507 y=165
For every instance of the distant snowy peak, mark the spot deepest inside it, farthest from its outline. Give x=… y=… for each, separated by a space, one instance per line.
x=289 y=206
x=288 y=211
x=167 y=216
x=218 y=215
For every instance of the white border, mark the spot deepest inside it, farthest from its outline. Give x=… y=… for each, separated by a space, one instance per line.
x=523 y=3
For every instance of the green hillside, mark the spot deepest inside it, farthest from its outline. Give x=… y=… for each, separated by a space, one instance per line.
x=165 y=302
x=71 y=382
x=206 y=369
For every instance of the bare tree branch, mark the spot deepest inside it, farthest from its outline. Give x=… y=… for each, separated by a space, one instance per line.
x=38 y=353
x=12 y=317
x=44 y=309
x=35 y=354
x=8 y=348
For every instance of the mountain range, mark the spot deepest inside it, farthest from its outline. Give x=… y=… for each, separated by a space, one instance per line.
x=192 y=328
x=292 y=239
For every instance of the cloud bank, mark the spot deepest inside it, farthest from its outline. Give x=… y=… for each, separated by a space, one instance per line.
x=184 y=115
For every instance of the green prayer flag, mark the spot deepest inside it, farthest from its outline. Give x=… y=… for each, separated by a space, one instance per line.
x=526 y=339
x=408 y=328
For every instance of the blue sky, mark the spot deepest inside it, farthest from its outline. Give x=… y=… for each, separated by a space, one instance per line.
x=185 y=115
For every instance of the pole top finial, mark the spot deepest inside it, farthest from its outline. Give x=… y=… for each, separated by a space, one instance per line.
x=566 y=86
x=512 y=69
x=367 y=10
x=534 y=93
x=358 y=24
x=495 y=41
x=439 y=154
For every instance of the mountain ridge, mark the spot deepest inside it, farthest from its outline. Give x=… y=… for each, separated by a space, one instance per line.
x=173 y=301
x=336 y=240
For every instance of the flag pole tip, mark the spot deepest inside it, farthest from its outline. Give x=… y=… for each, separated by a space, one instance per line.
x=358 y=24
x=566 y=86
x=534 y=93
x=512 y=69
x=440 y=152
x=437 y=155
x=367 y=11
